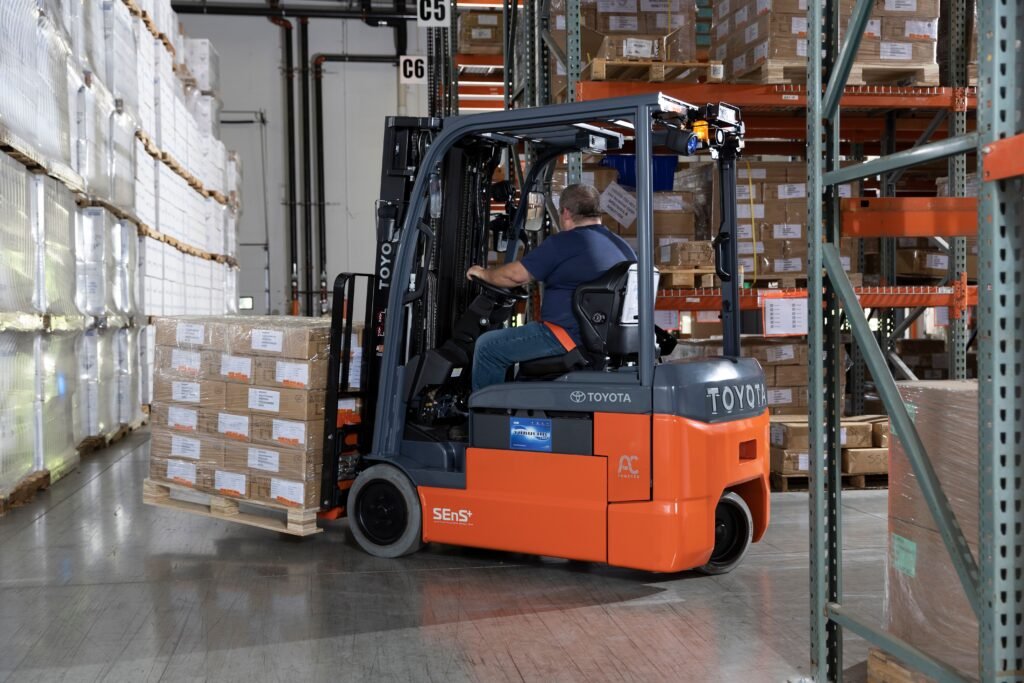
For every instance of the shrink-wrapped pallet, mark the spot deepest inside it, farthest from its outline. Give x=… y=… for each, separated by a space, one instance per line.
x=122 y=160
x=95 y=264
x=54 y=215
x=129 y=379
x=17 y=408
x=87 y=36
x=19 y=68
x=52 y=108
x=145 y=63
x=16 y=240
x=95 y=106
x=58 y=402
x=97 y=376
x=124 y=249
x=121 y=75
x=203 y=63
x=145 y=186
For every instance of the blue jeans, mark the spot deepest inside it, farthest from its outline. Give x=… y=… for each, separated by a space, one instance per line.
x=498 y=350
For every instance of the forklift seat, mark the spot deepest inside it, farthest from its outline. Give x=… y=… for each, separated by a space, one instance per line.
x=606 y=312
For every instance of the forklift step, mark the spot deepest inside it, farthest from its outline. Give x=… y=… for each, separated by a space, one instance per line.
x=262 y=515
x=784 y=483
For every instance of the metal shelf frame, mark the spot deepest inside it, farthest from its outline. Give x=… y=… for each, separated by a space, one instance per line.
x=993 y=584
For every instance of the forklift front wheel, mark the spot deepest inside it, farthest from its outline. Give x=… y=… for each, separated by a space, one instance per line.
x=734 y=529
x=385 y=512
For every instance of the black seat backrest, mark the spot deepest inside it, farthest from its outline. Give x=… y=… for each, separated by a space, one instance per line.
x=607 y=318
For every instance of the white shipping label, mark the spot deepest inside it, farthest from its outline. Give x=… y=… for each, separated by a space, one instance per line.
x=185 y=392
x=905 y=242
x=764 y=6
x=616 y=6
x=746 y=192
x=288 y=432
x=722 y=29
x=292 y=374
x=264 y=459
x=803 y=463
x=801 y=47
x=624 y=24
x=485 y=19
x=777 y=434
x=236 y=426
x=184 y=472
x=708 y=316
x=798 y=26
x=743 y=211
x=777 y=354
x=190 y=333
x=761 y=52
x=236 y=367
x=723 y=8
x=185 y=447
x=560 y=23
x=587 y=178
x=936 y=262
x=231 y=483
x=845 y=260
x=661 y=5
x=846 y=190
x=288 y=492
x=922 y=29
x=789 y=265
x=678 y=21
x=787 y=231
x=842 y=436
x=752 y=173
x=348 y=404
x=265 y=399
x=746 y=264
x=189 y=362
x=747 y=248
x=480 y=33
x=896 y=51
x=744 y=231
x=619 y=204
x=874 y=28
x=792 y=191
x=182 y=418
x=900 y=5
x=267 y=340
x=638 y=47
x=742 y=16
x=739 y=64
x=785 y=316
x=779 y=397
x=667 y=201
x=751 y=33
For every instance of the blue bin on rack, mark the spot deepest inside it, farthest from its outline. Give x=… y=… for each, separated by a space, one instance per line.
x=663 y=167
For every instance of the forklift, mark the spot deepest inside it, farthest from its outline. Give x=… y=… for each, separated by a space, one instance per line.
x=610 y=452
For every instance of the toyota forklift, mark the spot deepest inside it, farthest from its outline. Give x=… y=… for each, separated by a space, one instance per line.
x=610 y=452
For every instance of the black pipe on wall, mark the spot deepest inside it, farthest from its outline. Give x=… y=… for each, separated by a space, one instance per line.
x=293 y=218
x=372 y=18
x=307 y=165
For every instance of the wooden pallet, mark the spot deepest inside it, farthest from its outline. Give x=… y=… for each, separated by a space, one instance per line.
x=133 y=8
x=801 y=482
x=21 y=151
x=654 y=72
x=884 y=668
x=95 y=443
x=685 y=278
x=25 y=491
x=795 y=72
x=296 y=523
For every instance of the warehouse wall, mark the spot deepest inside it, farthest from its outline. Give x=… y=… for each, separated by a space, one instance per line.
x=357 y=97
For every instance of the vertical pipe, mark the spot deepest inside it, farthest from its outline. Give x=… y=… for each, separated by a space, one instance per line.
x=293 y=218
x=307 y=165
x=645 y=244
x=321 y=193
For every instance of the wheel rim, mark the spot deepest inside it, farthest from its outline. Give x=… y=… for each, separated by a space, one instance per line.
x=381 y=512
x=730 y=533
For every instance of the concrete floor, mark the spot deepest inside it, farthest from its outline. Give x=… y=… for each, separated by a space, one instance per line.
x=96 y=586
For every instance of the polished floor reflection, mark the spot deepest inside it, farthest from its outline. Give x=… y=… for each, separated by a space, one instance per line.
x=96 y=586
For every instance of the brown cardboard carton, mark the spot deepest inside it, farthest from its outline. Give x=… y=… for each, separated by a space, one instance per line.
x=865 y=460
x=480 y=32
x=229 y=368
x=192 y=332
x=229 y=483
x=897 y=52
x=179 y=471
x=292 y=374
x=280 y=336
x=268 y=460
x=206 y=393
x=307 y=436
x=791 y=375
x=789 y=461
x=905 y=8
x=880 y=434
x=787 y=396
x=789 y=434
x=231 y=425
x=294 y=404
x=172 y=361
x=175 y=417
x=167 y=443
x=620 y=23
x=910 y=28
x=288 y=492
x=673 y=47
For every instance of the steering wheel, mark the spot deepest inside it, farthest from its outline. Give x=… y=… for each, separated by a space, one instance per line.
x=514 y=294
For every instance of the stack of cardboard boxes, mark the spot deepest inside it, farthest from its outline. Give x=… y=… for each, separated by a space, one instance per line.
x=481 y=32
x=757 y=39
x=864 y=441
x=239 y=406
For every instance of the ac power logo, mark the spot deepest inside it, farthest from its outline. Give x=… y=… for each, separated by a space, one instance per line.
x=628 y=468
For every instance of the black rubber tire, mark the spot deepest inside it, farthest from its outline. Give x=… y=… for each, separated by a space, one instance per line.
x=384 y=512
x=734 y=532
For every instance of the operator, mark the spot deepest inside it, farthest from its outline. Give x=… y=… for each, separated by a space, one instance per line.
x=582 y=251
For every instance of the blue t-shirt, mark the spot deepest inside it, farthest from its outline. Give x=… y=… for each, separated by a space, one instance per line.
x=568 y=259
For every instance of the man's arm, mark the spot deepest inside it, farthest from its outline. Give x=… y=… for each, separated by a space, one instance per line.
x=508 y=276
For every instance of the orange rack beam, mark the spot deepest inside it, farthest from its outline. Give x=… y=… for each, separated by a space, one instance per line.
x=910 y=217
x=1003 y=159
x=870 y=297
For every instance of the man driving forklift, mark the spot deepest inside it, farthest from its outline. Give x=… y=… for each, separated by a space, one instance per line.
x=583 y=250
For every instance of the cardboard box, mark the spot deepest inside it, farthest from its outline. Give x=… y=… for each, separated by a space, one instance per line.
x=787 y=396
x=791 y=375
x=229 y=368
x=865 y=460
x=620 y=23
x=913 y=29
x=789 y=434
x=182 y=472
x=167 y=443
x=280 y=336
x=171 y=361
x=191 y=332
x=231 y=425
x=480 y=32
x=175 y=417
x=880 y=434
x=666 y=224
x=307 y=436
x=902 y=8
x=598 y=176
x=229 y=483
x=897 y=52
x=206 y=393
x=287 y=492
x=284 y=462
x=789 y=461
x=292 y=374
x=293 y=404
x=677 y=46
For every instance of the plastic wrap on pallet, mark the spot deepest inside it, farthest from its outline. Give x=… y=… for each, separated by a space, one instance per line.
x=147 y=352
x=97 y=376
x=203 y=63
x=17 y=408
x=234 y=178
x=94 y=110
x=52 y=107
x=17 y=280
x=121 y=74
x=95 y=263
x=126 y=361
x=230 y=231
x=230 y=289
x=18 y=68
x=122 y=159
x=87 y=36
x=151 y=275
x=206 y=110
x=145 y=186
x=145 y=63
x=124 y=249
x=58 y=402
x=54 y=213
x=166 y=88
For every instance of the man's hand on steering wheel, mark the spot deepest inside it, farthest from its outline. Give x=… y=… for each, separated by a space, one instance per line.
x=478 y=275
x=477 y=272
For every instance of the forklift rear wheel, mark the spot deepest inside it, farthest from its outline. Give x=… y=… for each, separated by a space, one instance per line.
x=734 y=529
x=385 y=511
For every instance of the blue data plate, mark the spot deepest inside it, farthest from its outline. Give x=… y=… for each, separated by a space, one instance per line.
x=529 y=434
